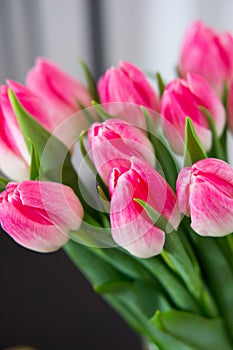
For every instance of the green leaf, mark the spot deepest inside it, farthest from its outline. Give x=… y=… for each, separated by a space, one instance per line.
x=52 y=153
x=91 y=84
x=172 y=285
x=165 y=163
x=199 y=332
x=216 y=148
x=35 y=162
x=133 y=315
x=112 y=287
x=193 y=149
x=161 y=84
x=156 y=217
x=102 y=113
x=177 y=258
x=218 y=274
x=3 y=183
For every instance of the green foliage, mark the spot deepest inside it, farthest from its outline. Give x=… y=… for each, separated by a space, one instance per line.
x=193 y=148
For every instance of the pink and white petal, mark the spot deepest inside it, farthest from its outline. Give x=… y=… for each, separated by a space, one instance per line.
x=30 y=234
x=60 y=203
x=183 y=190
x=131 y=229
x=12 y=165
x=211 y=211
x=216 y=168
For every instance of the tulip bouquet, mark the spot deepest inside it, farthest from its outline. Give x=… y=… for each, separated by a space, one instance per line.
x=135 y=186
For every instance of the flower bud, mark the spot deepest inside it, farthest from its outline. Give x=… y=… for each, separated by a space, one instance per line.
x=39 y=214
x=205 y=192
x=124 y=90
x=131 y=226
x=115 y=141
x=206 y=53
x=56 y=88
x=182 y=98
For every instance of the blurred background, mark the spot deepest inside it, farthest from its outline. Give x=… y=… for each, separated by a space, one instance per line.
x=45 y=301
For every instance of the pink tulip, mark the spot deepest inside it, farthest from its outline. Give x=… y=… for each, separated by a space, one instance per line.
x=63 y=94
x=56 y=88
x=131 y=227
x=205 y=192
x=230 y=107
x=124 y=90
x=116 y=140
x=14 y=156
x=182 y=98
x=209 y=54
x=38 y=214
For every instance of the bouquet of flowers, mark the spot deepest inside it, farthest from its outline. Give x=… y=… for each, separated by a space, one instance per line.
x=135 y=186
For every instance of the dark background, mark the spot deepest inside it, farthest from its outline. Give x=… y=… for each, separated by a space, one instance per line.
x=46 y=302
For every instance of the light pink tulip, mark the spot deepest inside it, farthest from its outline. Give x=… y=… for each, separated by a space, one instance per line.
x=124 y=90
x=116 y=140
x=57 y=88
x=38 y=214
x=131 y=227
x=209 y=54
x=230 y=107
x=14 y=156
x=182 y=98
x=205 y=192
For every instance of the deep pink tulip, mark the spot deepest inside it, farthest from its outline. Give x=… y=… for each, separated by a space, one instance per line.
x=230 y=107
x=63 y=94
x=116 y=140
x=14 y=156
x=205 y=192
x=38 y=214
x=131 y=227
x=182 y=98
x=209 y=54
x=55 y=87
x=124 y=90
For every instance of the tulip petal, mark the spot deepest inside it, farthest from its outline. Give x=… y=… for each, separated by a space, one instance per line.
x=130 y=229
x=115 y=141
x=131 y=226
x=38 y=215
x=211 y=211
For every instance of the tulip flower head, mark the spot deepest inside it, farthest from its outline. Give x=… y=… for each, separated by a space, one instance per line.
x=131 y=226
x=205 y=192
x=209 y=54
x=115 y=140
x=182 y=98
x=38 y=214
x=124 y=90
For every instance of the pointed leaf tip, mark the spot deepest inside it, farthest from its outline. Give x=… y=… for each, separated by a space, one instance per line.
x=193 y=149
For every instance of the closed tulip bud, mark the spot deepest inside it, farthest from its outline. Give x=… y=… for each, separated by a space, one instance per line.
x=124 y=90
x=116 y=140
x=209 y=54
x=65 y=96
x=182 y=98
x=38 y=214
x=57 y=88
x=131 y=226
x=205 y=192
